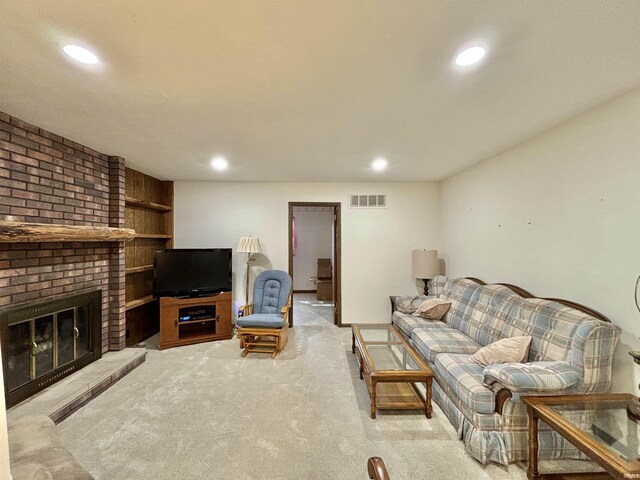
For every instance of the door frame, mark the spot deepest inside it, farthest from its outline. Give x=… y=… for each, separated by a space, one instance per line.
x=337 y=268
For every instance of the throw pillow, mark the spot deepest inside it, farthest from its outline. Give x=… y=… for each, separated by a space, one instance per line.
x=433 y=309
x=408 y=303
x=507 y=350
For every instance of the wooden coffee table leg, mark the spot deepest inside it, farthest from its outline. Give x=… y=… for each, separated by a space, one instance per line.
x=532 y=472
x=372 y=394
x=428 y=410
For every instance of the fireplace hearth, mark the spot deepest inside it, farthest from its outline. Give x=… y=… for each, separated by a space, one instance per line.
x=44 y=342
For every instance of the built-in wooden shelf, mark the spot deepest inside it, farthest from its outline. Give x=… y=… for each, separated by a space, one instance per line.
x=146 y=204
x=139 y=301
x=20 y=232
x=152 y=235
x=142 y=268
x=148 y=209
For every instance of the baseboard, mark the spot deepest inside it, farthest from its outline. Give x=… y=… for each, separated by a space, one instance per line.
x=305 y=291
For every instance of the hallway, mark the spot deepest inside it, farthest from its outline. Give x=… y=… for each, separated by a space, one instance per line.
x=307 y=310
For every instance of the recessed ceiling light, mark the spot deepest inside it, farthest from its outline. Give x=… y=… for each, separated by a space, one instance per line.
x=470 y=55
x=379 y=164
x=219 y=163
x=80 y=54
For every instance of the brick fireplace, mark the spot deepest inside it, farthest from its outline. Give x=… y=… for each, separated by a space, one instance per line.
x=48 y=179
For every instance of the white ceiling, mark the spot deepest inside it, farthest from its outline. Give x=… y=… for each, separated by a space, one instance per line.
x=311 y=90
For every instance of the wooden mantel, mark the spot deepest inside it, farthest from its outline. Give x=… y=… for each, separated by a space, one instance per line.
x=20 y=232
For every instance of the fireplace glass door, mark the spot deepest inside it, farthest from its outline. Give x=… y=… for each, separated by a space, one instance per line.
x=40 y=345
x=44 y=343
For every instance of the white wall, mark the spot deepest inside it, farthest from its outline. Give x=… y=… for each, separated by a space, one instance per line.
x=559 y=216
x=314 y=239
x=376 y=243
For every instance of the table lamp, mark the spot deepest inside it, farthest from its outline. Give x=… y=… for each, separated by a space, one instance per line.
x=425 y=265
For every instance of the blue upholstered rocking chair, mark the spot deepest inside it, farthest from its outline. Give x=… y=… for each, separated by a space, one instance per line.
x=263 y=326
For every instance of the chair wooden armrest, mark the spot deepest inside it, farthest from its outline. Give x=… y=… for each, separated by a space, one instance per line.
x=246 y=310
x=285 y=310
x=377 y=469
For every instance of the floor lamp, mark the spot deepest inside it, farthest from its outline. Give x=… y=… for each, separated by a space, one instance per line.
x=425 y=265
x=248 y=245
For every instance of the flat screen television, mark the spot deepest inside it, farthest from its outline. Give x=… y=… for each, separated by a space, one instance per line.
x=183 y=272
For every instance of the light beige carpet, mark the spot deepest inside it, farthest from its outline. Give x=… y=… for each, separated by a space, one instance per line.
x=204 y=412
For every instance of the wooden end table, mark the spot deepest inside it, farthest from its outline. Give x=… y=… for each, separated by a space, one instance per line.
x=390 y=367
x=599 y=425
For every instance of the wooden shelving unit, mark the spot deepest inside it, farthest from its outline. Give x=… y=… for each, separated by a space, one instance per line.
x=145 y=204
x=139 y=302
x=148 y=211
x=141 y=268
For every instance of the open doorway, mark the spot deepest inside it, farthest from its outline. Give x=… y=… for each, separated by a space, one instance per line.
x=314 y=260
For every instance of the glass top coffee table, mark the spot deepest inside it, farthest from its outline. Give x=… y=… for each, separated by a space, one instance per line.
x=605 y=427
x=390 y=368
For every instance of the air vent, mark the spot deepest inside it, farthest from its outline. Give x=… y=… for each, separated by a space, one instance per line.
x=368 y=201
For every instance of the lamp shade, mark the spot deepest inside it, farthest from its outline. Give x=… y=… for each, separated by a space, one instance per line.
x=424 y=263
x=249 y=245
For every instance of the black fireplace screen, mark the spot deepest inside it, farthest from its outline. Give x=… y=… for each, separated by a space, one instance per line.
x=43 y=343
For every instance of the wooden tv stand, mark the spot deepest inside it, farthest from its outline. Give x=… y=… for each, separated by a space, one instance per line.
x=211 y=320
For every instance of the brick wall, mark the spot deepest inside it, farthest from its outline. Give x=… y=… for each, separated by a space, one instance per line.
x=46 y=178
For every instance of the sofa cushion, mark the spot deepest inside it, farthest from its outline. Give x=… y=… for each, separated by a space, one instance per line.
x=261 y=320
x=487 y=312
x=465 y=380
x=408 y=323
x=459 y=292
x=551 y=324
x=433 y=341
x=436 y=285
x=507 y=350
x=532 y=377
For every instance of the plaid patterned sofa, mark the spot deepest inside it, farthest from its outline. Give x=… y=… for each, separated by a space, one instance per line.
x=571 y=352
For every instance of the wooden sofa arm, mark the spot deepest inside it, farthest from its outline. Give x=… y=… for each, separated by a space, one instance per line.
x=246 y=310
x=34 y=442
x=392 y=299
x=502 y=396
x=377 y=469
